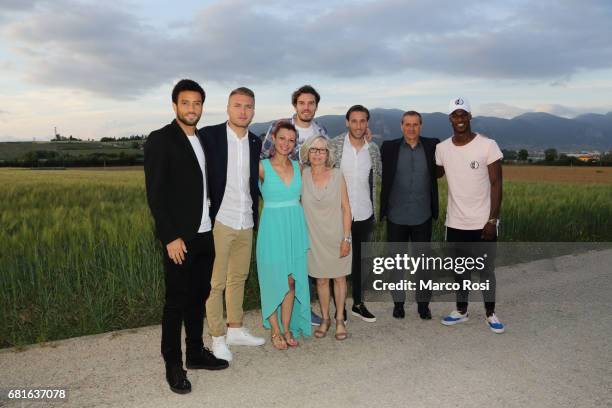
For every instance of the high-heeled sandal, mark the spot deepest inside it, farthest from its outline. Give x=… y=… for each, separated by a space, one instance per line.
x=323 y=328
x=341 y=335
x=278 y=341
x=291 y=341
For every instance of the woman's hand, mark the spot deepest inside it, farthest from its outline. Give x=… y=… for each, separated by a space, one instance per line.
x=345 y=248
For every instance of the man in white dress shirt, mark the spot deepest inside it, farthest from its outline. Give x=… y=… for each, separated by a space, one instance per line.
x=361 y=166
x=233 y=168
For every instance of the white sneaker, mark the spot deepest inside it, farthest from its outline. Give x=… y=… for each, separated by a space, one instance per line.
x=455 y=317
x=494 y=324
x=240 y=336
x=220 y=350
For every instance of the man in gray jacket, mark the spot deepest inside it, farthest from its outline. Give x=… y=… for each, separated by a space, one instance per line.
x=361 y=165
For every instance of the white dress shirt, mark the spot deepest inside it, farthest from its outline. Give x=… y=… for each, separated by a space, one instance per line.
x=236 y=207
x=356 y=166
x=205 y=224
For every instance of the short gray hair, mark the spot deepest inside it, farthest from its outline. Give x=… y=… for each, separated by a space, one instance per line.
x=331 y=153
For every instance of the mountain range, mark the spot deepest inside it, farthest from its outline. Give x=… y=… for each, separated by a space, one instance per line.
x=534 y=131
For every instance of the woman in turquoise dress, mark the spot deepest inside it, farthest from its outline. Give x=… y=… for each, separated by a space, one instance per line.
x=282 y=244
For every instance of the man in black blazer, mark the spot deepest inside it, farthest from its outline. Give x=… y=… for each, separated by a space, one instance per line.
x=175 y=176
x=233 y=166
x=409 y=195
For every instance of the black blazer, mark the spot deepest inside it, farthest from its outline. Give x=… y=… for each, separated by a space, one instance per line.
x=215 y=144
x=389 y=153
x=174 y=184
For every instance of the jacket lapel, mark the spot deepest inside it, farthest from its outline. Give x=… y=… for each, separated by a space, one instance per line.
x=254 y=155
x=394 y=157
x=185 y=145
x=224 y=153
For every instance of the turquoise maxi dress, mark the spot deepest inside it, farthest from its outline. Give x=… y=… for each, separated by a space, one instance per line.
x=282 y=245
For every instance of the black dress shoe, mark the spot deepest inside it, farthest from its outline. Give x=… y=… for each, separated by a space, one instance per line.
x=206 y=360
x=423 y=309
x=424 y=312
x=177 y=379
x=398 y=310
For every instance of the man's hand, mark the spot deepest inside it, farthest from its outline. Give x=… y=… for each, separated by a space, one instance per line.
x=177 y=250
x=368 y=135
x=345 y=248
x=489 y=232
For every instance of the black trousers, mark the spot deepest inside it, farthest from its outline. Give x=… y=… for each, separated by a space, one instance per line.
x=457 y=235
x=187 y=288
x=414 y=234
x=361 y=231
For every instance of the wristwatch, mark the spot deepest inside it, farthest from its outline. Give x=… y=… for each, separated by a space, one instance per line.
x=493 y=221
x=348 y=239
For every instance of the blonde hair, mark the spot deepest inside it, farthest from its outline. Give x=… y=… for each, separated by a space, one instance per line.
x=330 y=161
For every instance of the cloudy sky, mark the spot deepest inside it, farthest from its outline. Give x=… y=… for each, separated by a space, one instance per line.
x=97 y=70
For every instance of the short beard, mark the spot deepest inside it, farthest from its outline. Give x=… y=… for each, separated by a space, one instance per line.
x=184 y=121
x=305 y=120
x=467 y=129
x=356 y=137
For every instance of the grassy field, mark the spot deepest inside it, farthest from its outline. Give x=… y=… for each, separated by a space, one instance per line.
x=559 y=174
x=78 y=254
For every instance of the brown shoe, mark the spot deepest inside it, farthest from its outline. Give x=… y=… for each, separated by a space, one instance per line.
x=341 y=333
x=323 y=328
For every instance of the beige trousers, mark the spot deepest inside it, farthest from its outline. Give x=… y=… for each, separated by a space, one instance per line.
x=230 y=271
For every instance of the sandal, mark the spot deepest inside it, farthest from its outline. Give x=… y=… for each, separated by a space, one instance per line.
x=278 y=341
x=323 y=328
x=291 y=341
x=341 y=335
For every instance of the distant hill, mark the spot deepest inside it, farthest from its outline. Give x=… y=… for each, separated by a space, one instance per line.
x=532 y=131
x=17 y=150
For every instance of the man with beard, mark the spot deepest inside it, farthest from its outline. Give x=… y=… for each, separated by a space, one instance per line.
x=472 y=164
x=175 y=177
x=361 y=166
x=233 y=166
x=305 y=101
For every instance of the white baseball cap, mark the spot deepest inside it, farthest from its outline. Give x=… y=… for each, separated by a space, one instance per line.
x=459 y=103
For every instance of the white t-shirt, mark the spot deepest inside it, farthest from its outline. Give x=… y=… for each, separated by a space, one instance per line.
x=305 y=133
x=469 y=187
x=205 y=224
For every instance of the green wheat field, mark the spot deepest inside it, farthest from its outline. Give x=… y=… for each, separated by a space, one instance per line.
x=78 y=255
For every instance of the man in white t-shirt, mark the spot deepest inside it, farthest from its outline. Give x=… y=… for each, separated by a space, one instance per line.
x=177 y=193
x=305 y=101
x=472 y=164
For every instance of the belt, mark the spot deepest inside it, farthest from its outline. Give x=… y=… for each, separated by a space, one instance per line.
x=279 y=204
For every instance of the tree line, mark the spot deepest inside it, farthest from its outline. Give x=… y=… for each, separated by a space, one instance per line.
x=553 y=157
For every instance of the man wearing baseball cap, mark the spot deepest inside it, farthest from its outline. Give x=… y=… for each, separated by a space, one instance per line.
x=472 y=164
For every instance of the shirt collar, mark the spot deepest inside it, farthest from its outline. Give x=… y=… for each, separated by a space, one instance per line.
x=419 y=144
x=348 y=141
x=230 y=132
x=313 y=124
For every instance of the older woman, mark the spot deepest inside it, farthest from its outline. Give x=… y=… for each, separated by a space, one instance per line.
x=328 y=216
x=282 y=243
